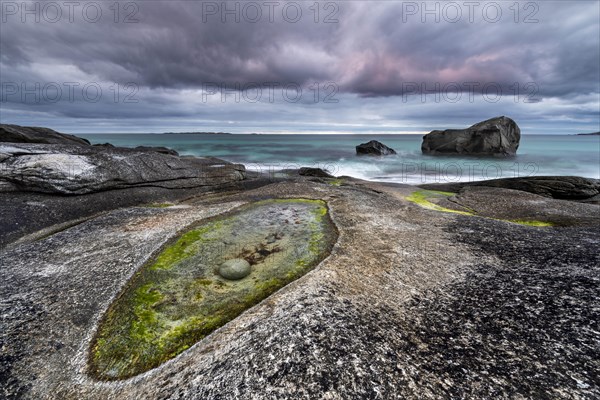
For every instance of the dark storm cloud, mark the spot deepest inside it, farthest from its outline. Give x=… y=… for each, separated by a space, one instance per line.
x=171 y=46
x=374 y=50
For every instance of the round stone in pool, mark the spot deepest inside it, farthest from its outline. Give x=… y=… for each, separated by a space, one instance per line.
x=235 y=269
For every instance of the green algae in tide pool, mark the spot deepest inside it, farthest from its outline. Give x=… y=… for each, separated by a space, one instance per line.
x=179 y=297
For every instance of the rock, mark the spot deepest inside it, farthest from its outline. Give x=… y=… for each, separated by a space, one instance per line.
x=235 y=269
x=410 y=303
x=520 y=207
x=557 y=187
x=496 y=136
x=30 y=134
x=158 y=149
x=27 y=216
x=374 y=148
x=27 y=134
x=317 y=172
x=69 y=169
x=199 y=302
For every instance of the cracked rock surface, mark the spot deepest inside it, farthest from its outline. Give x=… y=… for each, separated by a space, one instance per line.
x=74 y=169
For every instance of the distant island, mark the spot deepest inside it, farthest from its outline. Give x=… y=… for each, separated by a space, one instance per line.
x=196 y=133
x=589 y=134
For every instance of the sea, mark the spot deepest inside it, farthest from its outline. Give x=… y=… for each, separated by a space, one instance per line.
x=537 y=155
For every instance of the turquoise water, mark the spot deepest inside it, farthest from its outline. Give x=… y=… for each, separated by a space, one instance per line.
x=537 y=155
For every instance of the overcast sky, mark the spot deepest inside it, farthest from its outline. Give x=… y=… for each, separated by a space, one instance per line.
x=271 y=67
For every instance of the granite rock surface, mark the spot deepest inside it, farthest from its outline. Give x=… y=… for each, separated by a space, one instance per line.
x=73 y=169
x=410 y=303
x=31 y=134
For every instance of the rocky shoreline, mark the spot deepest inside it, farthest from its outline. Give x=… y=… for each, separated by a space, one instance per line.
x=480 y=290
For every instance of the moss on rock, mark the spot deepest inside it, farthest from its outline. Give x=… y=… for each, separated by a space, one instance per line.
x=423 y=198
x=178 y=297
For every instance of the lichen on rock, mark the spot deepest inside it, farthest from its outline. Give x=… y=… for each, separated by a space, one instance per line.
x=182 y=295
x=428 y=199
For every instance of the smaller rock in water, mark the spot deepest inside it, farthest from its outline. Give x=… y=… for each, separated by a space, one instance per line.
x=374 y=148
x=158 y=149
x=235 y=269
x=318 y=172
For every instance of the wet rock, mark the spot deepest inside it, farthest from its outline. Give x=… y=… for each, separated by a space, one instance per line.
x=411 y=303
x=557 y=187
x=30 y=134
x=66 y=169
x=509 y=205
x=316 y=172
x=374 y=148
x=158 y=149
x=496 y=136
x=235 y=269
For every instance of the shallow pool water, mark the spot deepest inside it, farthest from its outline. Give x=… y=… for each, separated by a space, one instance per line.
x=179 y=297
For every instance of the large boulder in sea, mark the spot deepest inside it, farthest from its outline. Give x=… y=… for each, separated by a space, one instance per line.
x=31 y=134
x=374 y=148
x=496 y=136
